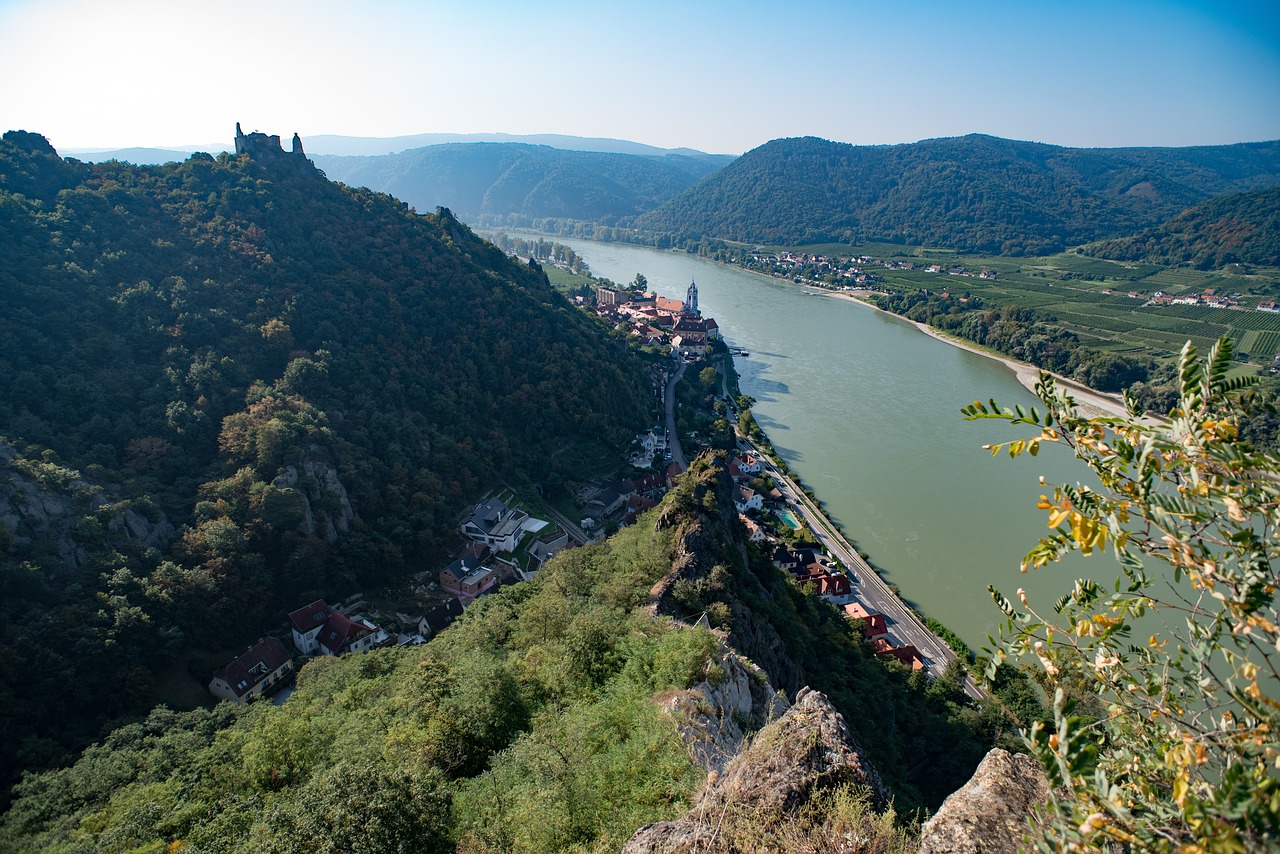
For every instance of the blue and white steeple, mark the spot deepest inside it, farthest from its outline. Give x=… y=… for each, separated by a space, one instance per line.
x=691 y=299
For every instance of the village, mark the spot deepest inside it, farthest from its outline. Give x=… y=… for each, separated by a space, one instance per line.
x=503 y=543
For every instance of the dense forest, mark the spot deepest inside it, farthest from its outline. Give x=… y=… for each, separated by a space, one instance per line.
x=230 y=385
x=530 y=725
x=1242 y=228
x=976 y=192
x=511 y=184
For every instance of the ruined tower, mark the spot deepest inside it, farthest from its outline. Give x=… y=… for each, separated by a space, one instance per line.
x=268 y=150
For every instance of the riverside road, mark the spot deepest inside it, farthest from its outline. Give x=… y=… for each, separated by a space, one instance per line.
x=869 y=588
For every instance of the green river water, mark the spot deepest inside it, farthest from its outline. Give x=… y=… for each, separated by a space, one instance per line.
x=866 y=409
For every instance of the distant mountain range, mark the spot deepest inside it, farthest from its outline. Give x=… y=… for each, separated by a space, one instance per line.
x=497 y=181
x=369 y=146
x=973 y=192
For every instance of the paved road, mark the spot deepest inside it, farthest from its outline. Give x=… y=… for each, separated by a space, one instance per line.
x=677 y=453
x=904 y=626
x=575 y=533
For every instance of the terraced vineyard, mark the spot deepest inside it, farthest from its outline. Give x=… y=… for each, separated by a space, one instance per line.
x=1091 y=297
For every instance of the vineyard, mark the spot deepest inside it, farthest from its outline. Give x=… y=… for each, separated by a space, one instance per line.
x=1090 y=297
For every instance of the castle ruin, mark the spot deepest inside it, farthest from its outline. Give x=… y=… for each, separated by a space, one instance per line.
x=267 y=149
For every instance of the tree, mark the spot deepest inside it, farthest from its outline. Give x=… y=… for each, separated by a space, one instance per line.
x=1183 y=651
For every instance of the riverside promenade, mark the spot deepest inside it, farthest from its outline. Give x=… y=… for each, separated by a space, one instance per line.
x=869 y=588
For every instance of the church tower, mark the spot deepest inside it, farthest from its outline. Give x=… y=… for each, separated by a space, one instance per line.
x=691 y=299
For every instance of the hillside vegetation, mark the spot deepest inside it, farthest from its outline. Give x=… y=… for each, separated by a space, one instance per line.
x=975 y=192
x=229 y=385
x=533 y=724
x=1243 y=228
x=506 y=184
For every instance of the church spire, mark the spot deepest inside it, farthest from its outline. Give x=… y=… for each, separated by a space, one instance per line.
x=691 y=298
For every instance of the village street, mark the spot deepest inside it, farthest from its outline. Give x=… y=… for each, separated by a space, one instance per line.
x=673 y=439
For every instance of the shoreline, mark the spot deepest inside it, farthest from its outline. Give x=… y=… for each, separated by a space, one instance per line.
x=1090 y=400
x=1026 y=374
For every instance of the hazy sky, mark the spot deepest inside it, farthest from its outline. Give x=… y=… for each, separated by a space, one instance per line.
x=721 y=76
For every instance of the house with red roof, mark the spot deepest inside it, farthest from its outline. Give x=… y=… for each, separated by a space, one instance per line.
x=908 y=655
x=264 y=664
x=319 y=629
x=875 y=624
x=755 y=533
x=834 y=588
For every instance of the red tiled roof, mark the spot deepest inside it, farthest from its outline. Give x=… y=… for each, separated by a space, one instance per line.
x=310 y=616
x=875 y=623
x=908 y=654
x=339 y=632
x=261 y=660
x=834 y=585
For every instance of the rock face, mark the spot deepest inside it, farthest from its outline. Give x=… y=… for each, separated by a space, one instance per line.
x=808 y=750
x=714 y=716
x=989 y=815
x=327 y=508
x=55 y=507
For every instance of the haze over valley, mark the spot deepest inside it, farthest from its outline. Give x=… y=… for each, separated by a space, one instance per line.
x=487 y=427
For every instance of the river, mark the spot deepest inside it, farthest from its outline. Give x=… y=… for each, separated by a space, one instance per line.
x=866 y=409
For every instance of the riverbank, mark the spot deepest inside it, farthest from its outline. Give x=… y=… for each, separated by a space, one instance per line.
x=866 y=413
x=1028 y=375
x=1093 y=402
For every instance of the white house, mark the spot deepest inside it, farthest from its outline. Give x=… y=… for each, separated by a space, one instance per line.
x=495 y=524
x=317 y=629
x=745 y=498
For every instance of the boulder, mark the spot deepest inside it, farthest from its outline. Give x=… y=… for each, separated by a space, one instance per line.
x=808 y=750
x=989 y=814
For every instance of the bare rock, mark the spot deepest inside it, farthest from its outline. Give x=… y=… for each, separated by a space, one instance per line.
x=989 y=814
x=59 y=514
x=327 y=509
x=715 y=716
x=808 y=750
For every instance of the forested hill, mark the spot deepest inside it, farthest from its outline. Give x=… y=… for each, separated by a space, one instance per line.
x=973 y=192
x=1243 y=228
x=302 y=383
x=545 y=719
x=514 y=183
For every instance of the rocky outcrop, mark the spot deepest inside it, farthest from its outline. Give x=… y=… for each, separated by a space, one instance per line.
x=707 y=536
x=61 y=515
x=327 y=509
x=989 y=815
x=715 y=716
x=810 y=749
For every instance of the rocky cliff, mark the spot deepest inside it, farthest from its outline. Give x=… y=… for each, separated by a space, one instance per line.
x=327 y=510
x=52 y=512
x=710 y=564
x=716 y=716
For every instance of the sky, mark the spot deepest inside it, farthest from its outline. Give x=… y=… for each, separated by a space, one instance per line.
x=722 y=76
